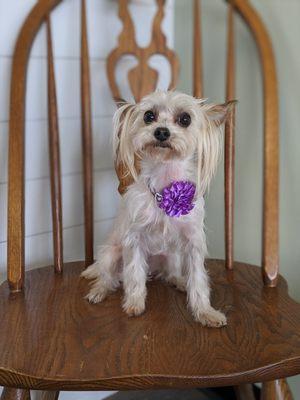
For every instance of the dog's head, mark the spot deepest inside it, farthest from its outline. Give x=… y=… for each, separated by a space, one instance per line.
x=167 y=126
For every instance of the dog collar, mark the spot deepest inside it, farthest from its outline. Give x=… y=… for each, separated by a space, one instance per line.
x=176 y=199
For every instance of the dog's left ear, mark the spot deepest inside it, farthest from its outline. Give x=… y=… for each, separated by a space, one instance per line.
x=209 y=142
x=218 y=113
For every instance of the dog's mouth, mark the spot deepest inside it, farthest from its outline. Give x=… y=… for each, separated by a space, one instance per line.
x=157 y=145
x=163 y=145
x=161 y=150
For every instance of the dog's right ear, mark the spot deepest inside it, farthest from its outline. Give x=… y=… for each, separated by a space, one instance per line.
x=218 y=113
x=122 y=145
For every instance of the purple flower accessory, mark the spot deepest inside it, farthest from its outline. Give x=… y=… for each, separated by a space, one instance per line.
x=177 y=198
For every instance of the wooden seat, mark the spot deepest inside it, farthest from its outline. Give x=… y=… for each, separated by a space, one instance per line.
x=52 y=339
x=60 y=341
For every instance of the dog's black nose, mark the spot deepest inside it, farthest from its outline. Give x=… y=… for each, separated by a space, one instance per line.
x=162 y=134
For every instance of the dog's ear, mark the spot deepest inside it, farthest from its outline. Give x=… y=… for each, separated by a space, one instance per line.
x=120 y=102
x=122 y=145
x=218 y=113
x=209 y=141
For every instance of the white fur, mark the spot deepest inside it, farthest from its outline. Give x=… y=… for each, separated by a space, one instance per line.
x=142 y=229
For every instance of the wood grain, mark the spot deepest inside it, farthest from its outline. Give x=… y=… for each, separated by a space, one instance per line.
x=197 y=54
x=75 y=345
x=229 y=152
x=87 y=143
x=15 y=394
x=54 y=157
x=142 y=78
x=276 y=390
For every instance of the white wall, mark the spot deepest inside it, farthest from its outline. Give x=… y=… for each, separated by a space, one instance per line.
x=104 y=27
x=282 y=20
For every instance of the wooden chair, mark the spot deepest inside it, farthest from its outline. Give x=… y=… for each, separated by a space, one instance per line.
x=52 y=339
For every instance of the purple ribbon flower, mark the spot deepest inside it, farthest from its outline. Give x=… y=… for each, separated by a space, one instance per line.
x=177 y=198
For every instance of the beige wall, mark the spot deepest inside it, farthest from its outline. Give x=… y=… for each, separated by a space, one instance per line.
x=282 y=20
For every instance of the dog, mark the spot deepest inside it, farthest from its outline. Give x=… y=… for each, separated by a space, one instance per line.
x=178 y=140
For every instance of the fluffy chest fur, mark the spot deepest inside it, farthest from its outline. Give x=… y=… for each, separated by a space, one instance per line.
x=143 y=219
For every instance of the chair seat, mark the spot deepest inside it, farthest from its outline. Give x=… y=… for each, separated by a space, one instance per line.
x=51 y=338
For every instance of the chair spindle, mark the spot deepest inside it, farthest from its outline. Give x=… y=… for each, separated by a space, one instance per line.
x=15 y=394
x=197 y=60
x=87 y=147
x=54 y=156
x=229 y=144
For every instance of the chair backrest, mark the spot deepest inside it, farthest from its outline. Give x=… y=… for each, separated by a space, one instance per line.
x=142 y=80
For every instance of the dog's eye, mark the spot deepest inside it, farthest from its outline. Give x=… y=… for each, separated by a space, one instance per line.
x=149 y=117
x=184 y=119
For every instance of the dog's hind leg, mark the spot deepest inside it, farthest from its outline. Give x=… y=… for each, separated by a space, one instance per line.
x=104 y=272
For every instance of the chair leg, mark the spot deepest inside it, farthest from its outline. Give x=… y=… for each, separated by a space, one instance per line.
x=15 y=394
x=244 y=392
x=276 y=390
x=49 y=395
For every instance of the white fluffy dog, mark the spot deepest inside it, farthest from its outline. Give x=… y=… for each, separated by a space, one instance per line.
x=178 y=140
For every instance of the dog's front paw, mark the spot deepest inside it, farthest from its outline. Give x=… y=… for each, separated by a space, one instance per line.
x=134 y=306
x=91 y=272
x=97 y=293
x=211 y=318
